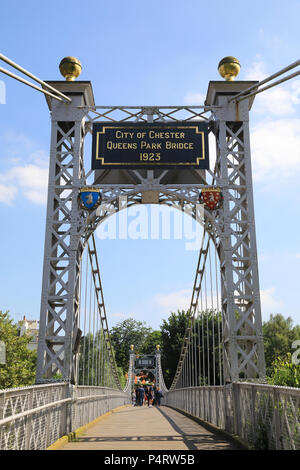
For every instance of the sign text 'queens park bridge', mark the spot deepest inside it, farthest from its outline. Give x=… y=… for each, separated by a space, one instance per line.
x=140 y=145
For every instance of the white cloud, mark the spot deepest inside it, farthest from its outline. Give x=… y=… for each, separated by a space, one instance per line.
x=256 y=71
x=7 y=194
x=18 y=148
x=275 y=138
x=120 y=315
x=262 y=257
x=275 y=148
x=31 y=180
x=26 y=172
x=173 y=301
x=269 y=303
x=297 y=255
x=31 y=176
x=117 y=317
x=37 y=197
x=181 y=299
x=194 y=98
x=277 y=101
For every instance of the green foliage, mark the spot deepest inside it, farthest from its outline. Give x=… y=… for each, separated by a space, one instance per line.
x=122 y=377
x=279 y=334
x=204 y=337
x=284 y=372
x=94 y=366
x=20 y=367
x=152 y=340
x=207 y=337
x=124 y=334
x=172 y=335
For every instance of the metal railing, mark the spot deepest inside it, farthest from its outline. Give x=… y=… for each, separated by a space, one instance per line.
x=264 y=416
x=33 y=418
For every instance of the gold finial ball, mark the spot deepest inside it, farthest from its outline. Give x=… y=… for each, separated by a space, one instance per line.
x=70 y=68
x=131 y=347
x=158 y=347
x=229 y=68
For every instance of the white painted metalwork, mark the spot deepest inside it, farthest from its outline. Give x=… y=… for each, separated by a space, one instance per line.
x=95 y=271
x=56 y=93
x=156 y=371
x=33 y=418
x=245 y=94
x=160 y=381
x=131 y=375
x=59 y=320
x=264 y=416
x=231 y=228
x=202 y=358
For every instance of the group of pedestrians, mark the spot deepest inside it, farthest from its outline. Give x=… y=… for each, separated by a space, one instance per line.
x=146 y=395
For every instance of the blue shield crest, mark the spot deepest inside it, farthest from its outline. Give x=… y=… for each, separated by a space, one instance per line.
x=89 y=198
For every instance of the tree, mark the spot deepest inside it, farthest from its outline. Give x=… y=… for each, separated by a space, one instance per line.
x=151 y=341
x=124 y=334
x=20 y=367
x=94 y=364
x=285 y=372
x=172 y=336
x=206 y=339
x=279 y=334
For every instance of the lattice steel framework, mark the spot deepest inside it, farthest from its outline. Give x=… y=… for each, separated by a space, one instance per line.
x=242 y=334
x=59 y=319
x=232 y=228
x=156 y=371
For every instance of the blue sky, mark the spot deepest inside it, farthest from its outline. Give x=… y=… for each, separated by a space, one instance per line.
x=142 y=53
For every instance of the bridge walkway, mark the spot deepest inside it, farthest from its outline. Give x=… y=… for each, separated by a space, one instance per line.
x=143 y=428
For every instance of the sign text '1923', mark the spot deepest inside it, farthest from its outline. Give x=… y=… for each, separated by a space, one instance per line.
x=136 y=145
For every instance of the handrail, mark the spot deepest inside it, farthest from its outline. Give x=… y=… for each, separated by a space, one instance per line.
x=8 y=419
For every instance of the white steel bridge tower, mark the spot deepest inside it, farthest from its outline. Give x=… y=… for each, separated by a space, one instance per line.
x=231 y=227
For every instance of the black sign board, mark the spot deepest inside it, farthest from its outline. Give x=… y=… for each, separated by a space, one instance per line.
x=145 y=363
x=150 y=145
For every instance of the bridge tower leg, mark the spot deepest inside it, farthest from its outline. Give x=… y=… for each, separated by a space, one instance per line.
x=59 y=317
x=242 y=324
x=158 y=371
x=131 y=372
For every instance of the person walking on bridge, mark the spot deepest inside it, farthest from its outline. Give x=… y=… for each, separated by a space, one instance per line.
x=149 y=395
x=137 y=396
x=141 y=395
x=158 y=396
x=133 y=397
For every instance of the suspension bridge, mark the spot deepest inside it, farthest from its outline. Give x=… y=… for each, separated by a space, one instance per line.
x=219 y=384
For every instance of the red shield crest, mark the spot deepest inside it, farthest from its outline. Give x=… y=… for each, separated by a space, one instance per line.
x=211 y=197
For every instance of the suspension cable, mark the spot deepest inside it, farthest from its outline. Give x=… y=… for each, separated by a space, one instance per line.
x=246 y=93
x=26 y=82
x=204 y=331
